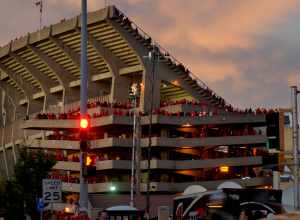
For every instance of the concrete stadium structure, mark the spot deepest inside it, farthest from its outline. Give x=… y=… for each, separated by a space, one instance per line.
x=40 y=73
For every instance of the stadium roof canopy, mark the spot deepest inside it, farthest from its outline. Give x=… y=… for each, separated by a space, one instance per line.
x=43 y=64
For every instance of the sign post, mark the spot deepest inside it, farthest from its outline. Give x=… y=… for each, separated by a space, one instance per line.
x=40 y=207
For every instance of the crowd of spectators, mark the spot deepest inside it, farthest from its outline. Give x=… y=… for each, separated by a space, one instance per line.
x=74 y=178
x=61 y=215
x=65 y=178
x=102 y=109
x=228 y=131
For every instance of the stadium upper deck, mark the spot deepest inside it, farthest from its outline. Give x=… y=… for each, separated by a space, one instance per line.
x=42 y=69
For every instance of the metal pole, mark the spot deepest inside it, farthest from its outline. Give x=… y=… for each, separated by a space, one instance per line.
x=62 y=110
x=12 y=134
x=83 y=196
x=133 y=161
x=3 y=148
x=153 y=59
x=295 y=144
x=3 y=141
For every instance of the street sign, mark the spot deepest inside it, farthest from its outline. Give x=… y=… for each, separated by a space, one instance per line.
x=40 y=205
x=51 y=190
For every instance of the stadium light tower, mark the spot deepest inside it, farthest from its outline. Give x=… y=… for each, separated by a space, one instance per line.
x=294 y=93
x=84 y=123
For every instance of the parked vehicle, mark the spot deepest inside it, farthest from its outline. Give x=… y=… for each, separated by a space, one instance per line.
x=228 y=204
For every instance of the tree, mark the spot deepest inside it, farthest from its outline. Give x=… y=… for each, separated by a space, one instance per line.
x=2 y=194
x=26 y=185
x=14 y=202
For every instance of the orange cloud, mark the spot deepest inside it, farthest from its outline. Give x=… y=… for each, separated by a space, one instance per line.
x=293 y=79
x=221 y=26
x=211 y=71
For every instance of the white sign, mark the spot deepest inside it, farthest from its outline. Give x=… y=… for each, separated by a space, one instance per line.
x=51 y=190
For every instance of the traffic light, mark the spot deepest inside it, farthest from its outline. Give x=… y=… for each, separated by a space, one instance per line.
x=89 y=168
x=84 y=125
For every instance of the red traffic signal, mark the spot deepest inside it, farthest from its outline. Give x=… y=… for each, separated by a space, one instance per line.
x=84 y=127
x=84 y=122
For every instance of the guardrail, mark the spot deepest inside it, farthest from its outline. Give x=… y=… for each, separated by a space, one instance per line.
x=75 y=105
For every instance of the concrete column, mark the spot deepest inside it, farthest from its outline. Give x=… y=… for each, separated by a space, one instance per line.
x=71 y=95
x=276 y=180
x=146 y=91
x=138 y=156
x=34 y=106
x=120 y=89
x=163 y=212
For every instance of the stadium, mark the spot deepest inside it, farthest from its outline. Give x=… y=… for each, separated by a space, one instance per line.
x=197 y=138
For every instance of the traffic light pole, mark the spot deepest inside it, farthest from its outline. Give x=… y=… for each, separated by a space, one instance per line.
x=153 y=58
x=83 y=195
x=133 y=157
x=294 y=93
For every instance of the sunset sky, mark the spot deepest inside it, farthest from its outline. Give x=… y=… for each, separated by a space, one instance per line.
x=248 y=51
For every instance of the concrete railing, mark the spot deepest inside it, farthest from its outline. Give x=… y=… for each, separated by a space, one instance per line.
x=165 y=186
x=75 y=105
x=217 y=119
x=97 y=187
x=165 y=164
x=156 y=141
x=204 y=141
x=205 y=163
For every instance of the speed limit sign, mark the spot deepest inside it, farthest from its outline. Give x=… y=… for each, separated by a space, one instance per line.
x=51 y=190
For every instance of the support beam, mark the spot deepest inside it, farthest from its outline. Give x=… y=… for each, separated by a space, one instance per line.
x=100 y=77
x=179 y=96
x=114 y=62
x=120 y=85
x=25 y=86
x=176 y=93
x=131 y=69
x=14 y=94
x=63 y=76
x=45 y=82
x=75 y=57
x=172 y=89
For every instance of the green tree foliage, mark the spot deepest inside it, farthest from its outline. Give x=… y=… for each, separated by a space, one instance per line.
x=14 y=203
x=2 y=194
x=25 y=187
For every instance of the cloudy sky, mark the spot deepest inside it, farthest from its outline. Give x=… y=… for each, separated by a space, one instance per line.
x=248 y=51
